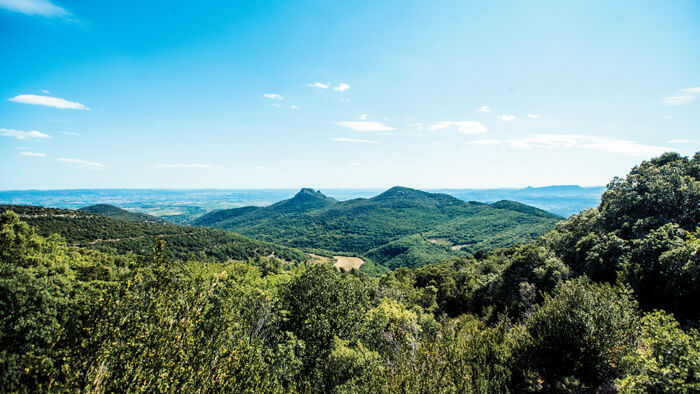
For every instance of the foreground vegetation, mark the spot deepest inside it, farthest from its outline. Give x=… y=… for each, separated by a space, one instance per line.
x=604 y=302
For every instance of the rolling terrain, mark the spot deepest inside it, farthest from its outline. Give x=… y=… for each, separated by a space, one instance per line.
x=111 y=211
x=400 y=227
x=122 y=235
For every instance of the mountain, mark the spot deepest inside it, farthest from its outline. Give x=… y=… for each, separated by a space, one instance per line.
x=399 y=227
x=84 y=229
x=113 y=212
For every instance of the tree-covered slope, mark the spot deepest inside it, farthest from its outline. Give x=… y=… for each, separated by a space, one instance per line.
x=84 y=229
x=438 y=226
x=604 y=303
x=113 y=212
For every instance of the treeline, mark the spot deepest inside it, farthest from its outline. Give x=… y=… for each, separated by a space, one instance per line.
x=119 y=236
x=605 y=302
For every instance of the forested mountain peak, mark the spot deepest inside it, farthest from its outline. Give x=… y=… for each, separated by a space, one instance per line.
x=401 y=192
x=307 y=193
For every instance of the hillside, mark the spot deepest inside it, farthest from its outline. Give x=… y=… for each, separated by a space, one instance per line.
x=399 y=227
x=80 y=228
x=113 y=212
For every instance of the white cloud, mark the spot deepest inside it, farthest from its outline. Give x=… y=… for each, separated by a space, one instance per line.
x=69 y=133
x=276 y=105
x=294 y=107
x=43 y=90
x=34 y=7
x=679 y=141
x=691 y=90
x=273 y=96
x=560 y=141
x=464 y=127
x=364 y=126
x=48 y=101
x=341 y=87
x=486 y=142
x=318 y=85
x=506 y=117
x=484 y=108
x=667 y=116
x=354 y=140
x=533 y=116
x=363 y=117
x=194 y=165
x=24 y=135
x=678 y=100
x=90 y=165
x=32 y=154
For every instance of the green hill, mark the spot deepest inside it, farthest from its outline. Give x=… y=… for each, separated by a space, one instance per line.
x=80 y=228
x=113 y=212
x=399 y=227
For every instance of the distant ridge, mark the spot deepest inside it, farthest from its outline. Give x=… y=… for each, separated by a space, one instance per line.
x=113 y=212
x=398 y=227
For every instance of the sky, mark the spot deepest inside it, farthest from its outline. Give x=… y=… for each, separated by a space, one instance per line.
x=331 y=94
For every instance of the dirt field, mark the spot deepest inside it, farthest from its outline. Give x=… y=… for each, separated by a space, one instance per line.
x=347 y=263
x=319 y=259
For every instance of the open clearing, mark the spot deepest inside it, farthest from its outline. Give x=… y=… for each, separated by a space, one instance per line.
x=319 y=259
x=347 y=263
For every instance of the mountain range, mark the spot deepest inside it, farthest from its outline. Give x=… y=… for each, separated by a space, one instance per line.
x=400 y=227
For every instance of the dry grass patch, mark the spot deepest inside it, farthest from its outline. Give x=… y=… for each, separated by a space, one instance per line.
x=347 y=263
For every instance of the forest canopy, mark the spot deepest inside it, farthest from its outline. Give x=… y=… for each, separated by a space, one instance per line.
x=604 y=302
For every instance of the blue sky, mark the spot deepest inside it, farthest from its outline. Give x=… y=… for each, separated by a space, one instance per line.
x=253 y=94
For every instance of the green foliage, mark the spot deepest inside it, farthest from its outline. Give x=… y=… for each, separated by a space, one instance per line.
x=579 y=336
x=667 y=359
x=181 y=242
x=399 y=228
x=117 y=213
x=507 y=320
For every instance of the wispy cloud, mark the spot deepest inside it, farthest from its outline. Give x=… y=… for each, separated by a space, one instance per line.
x=48 y=101
x=364 y=126
x=463 y=126
x=691 y=90
x=43 y=90
x=353 y=140
x=192 y=165
x=678 y=100
x=294 y=106
x=506 y=117
x=90 y=165
x=32 y=154
x=69 y=133
x=363 y=117
x=341 y=87
x=273 y=96
x=679 y=141
x=533 y=116
x=318 y=85
x=484 y=108
x=34 y=7
x=558 y=141
x=24 y=135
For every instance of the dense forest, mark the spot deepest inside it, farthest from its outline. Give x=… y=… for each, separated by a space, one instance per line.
x=604 y=302
x=400 y=227
x=124 y=233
